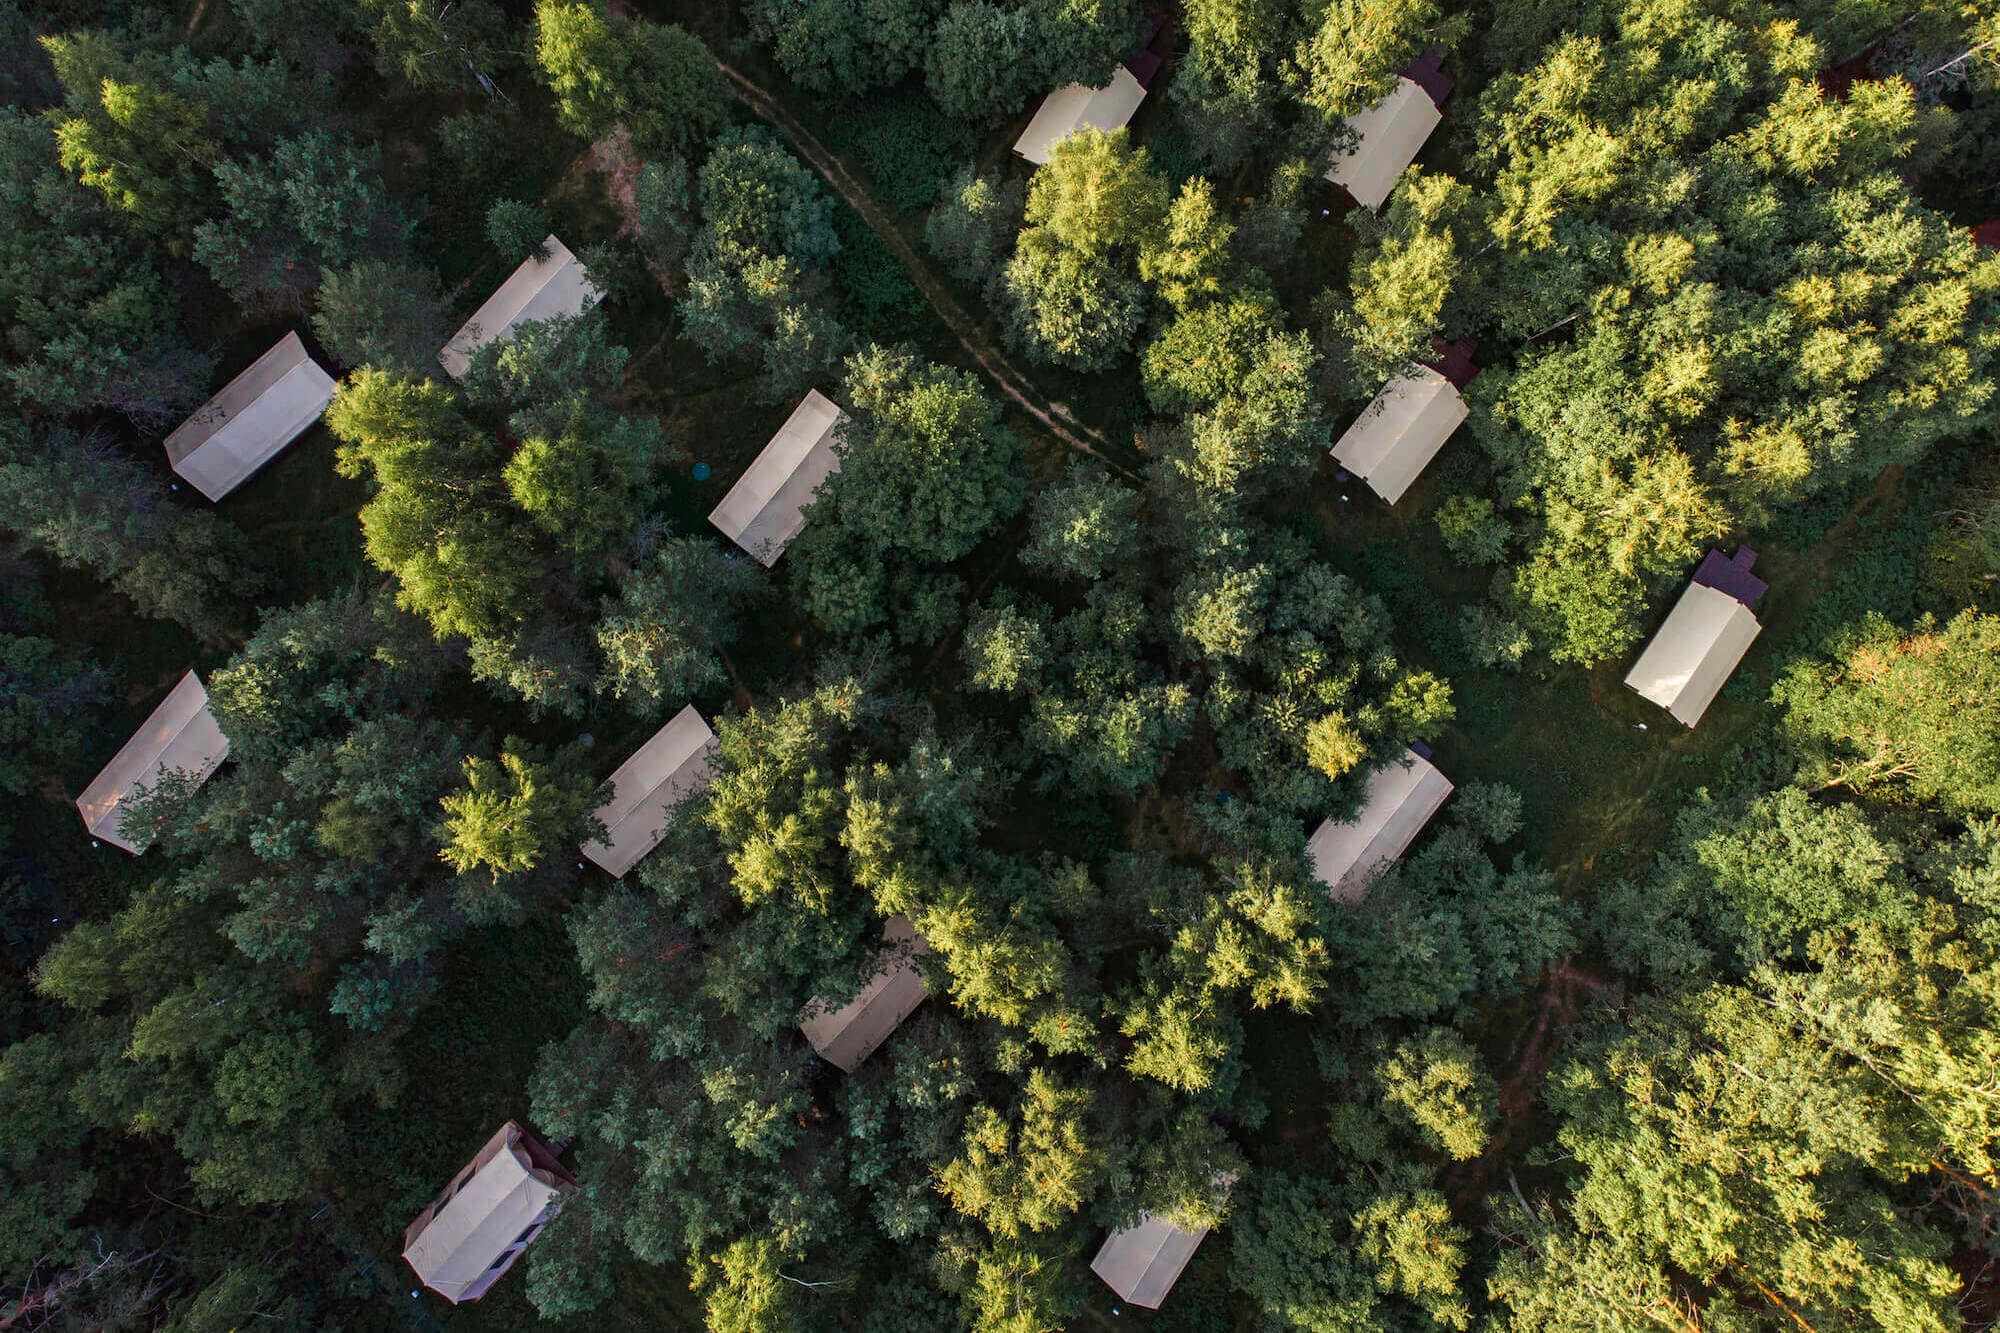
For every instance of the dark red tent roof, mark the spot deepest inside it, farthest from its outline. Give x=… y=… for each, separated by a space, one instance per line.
x=1145 y=66
x=1732 y=576
x=1426 y=72
x=1987 y=234
x=1453 y=360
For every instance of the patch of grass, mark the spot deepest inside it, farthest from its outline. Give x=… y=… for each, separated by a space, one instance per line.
x=879 y=300
x=906 y=147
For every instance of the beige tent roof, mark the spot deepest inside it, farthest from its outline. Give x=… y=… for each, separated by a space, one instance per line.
x=1390 y=134
x=1396 y=436
x=180 y=736
x=1402 y=796
x=765 y=509
x=465 y=1240
x=257 y=414
x=850 y=1034
x=1067 y=110
x=539 y=289
x=1684 y=667
x=646 y=787
x=1142 y=1263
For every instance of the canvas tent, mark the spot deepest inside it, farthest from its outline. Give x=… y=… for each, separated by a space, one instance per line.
x=1400 y=799
x=848 y=1035
x=472 y=1233
x=1388 y=136
x=181 y=736
x=254 y=417
x=544 y=288
x=1142 y=1263
x=1396 y=436
x=1706 y=634
x=1067 y=110
x=766 y=507
x=646 y=787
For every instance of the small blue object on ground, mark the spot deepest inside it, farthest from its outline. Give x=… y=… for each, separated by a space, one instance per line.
x=700 y=471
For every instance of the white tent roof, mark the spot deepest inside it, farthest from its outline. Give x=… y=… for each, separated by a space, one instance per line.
x=1684 y=667
x=1142 y=1263
x=646 y=787
x=180 y=736
x=1396 y=436
x=1390 y=134
x=850 y=1034
x=463 y=1239
x=1400 y=799
x=766 y=507
x=539 y=289
x=257 y=414
x=1067 y=110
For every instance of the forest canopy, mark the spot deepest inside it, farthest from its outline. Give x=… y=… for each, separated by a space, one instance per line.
x=826 y=672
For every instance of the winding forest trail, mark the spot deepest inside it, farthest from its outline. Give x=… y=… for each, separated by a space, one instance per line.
x=1057 y=418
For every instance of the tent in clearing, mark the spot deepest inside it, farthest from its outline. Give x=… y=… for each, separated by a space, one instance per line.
x=1390 y=134
x=180 y=737
x=254 y=417
x=1067 y=110
x=1396 y=436
x=1704 y=637
x=544 y=288
x=1142 y=1263
x=1400 y=799
x=766 y=507
x=644 y=791
x=472 y=1233
x=848 y=1035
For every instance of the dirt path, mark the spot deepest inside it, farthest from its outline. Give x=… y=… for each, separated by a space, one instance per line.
x=1052 y=415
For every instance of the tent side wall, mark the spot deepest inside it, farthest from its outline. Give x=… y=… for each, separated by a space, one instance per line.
x=1142 y=1263
x=1686 y=663
x=670 y=766
x=232 y=398
x=1055 y=119
x=469 y=1237
x=846 y=1036
x=240 y=441
x=1716 y=668
x=1400 y=799
x=1390 y=135
x=765 y=509
x=1067 y=110
x=1113 y=106
x=1400 y=432
x=181 y=735
x=555 y=284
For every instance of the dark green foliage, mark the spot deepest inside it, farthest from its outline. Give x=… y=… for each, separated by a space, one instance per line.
x=926 y=466
x=383 y=313
x=767 y=233
x=477 y=535
x=677 y=612
x=90 y=319
x=846 y=47
x=517 y=230
x=907 y=147
x=49 y=701
x=84 y=505
x=877 y=296
x=655 y=81
x=430 y=44
x=973 y=222
x=314 y=204
x=1064 y=668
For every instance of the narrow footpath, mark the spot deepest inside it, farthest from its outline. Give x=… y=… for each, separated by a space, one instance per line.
x=1058 y=419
